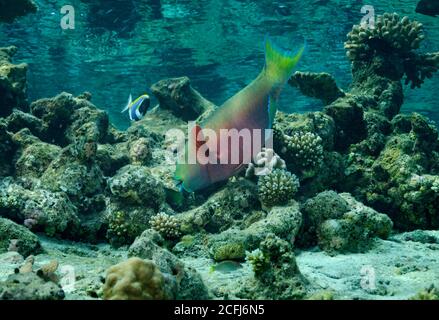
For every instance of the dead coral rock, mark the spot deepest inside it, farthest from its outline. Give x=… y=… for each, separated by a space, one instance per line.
x=318 y=123
x=342 y=224
x=7 y=150
x=12 y=82
x=177 y=95
x=350 y=126
x=12 y=9
x=190 y=285
x=25 y=242
x=48 y=271
x=33 y=156
x=19 y=120
x=88 y=122
x=66 y=118
x=317 y=85
x=29 y=286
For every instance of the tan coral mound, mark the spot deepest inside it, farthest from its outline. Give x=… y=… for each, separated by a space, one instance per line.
x=134 y=279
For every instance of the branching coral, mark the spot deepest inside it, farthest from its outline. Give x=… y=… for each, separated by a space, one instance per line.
x=389 y=33
x=168 y=226
x=276 y=271
x=117 y=228
x=277 y=187
x=420 y=67
x=303 y=149
x=258 y=260
x=397 y=38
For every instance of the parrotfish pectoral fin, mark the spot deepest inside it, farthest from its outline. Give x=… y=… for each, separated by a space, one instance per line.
x=279 y=63
x=130 y=101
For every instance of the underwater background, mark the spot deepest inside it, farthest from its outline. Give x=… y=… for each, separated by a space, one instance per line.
x=120 y=47
x=96 y=204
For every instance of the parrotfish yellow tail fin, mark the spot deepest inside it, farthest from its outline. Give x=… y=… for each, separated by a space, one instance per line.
x=280 y=63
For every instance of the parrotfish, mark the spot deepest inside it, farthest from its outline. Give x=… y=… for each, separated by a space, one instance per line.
x=217 y=144
x=137 y=108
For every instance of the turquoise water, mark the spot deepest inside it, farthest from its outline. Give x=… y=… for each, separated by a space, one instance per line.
x=118 y=47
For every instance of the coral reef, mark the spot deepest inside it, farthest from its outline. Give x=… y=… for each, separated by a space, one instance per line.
x=284 y=222
x=29 y=286
x=190 y=286
x=137 y=279
x=258 y=260
x=12 y=82
x=341 y=223
x=14 y=237
x=389 y=33
x=68 y=173
x=178 y=96
x=317 y=85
